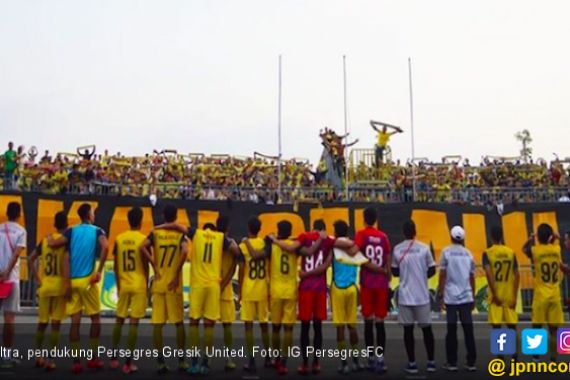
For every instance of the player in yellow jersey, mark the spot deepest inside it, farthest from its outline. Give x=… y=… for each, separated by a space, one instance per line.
x=502 y=271
x=546 y=258
x=253 y=284
x=169 y=251
x=131 y=271
x=227 y=302
x=208 y=246
x=51 y=289
x=283 y=293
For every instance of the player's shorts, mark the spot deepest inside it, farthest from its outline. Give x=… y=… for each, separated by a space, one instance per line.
x=205 y=303
x=84 y=299
x=167 y=307
x=374 y=302
x=51 y=308
x=408 y=315
x=135 y=302
x=254 y=310
x=312 y=305
x=547 y=312
x=11 y=304
x=344 y=304
x=502 y=314
x=227 y=311
x=283 y=311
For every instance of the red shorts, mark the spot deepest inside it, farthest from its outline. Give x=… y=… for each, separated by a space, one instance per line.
x=374 y=302
x=312 y=305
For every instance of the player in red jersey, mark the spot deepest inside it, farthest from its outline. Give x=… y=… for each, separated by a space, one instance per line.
x=374 y=284
x=316 y=250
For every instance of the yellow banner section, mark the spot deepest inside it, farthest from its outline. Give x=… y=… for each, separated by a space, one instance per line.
x=269 y=223
x=329 y=216
x=515 y=234
x=207 y=216
x=432 y=229
x=475 y=235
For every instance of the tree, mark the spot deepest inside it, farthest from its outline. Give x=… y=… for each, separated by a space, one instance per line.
x=525 y=139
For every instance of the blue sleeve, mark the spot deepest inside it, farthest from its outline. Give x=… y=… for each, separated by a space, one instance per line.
x=227 y=243
x=67 y=235
x=191 y=232
x=486 y=259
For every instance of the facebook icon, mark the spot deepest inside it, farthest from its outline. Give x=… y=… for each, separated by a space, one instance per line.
x=503 y=342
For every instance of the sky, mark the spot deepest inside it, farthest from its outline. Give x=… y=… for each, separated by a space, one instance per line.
x=202 y=76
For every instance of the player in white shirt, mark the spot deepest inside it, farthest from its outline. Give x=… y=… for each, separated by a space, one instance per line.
x=413 y=262
x=456 y=292
x=12 y=241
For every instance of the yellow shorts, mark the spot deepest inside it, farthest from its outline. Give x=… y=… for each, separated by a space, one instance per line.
x=167 y=307
x=86 y=299
x=227 y=311
x=283 y=311
x=254 y=310
x=51 y=308
x=547 y=313
x=502 y=314
x=344 y=304
x=135 y=302
x=205 y=303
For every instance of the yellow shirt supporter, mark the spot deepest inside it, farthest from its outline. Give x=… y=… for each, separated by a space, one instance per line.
x=131 y=270
x=283 y=284
x=547 y=274
x=51 y=269
x=255 y=280
x=383 y=138
x=166 y=245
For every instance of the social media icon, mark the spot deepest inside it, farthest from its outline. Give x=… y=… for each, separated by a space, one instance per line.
x=534 y=341
x=503 y=342
x=563 y=341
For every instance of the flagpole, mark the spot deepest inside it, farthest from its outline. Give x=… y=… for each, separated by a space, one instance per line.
x=345 y=128
x=412 y=129
x=279 y=135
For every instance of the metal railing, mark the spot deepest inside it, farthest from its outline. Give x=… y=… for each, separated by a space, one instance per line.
x=372 y=192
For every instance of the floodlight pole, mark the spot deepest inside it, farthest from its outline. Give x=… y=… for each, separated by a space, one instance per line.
x=345 y=129
x=412 y=129
x=279 y=135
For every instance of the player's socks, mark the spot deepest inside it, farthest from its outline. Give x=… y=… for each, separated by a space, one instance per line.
x=305 y=326
x=265 y=338
x=40 y=335
x=381 y=335
x=249 y=342
x=429 y=342
x=228 y=336
x=369 y=333
x=276 y=339
x=194 y=335
x=94 y=344
x=132 y=337
x=180 y=337
x=287 y=343
x=75 y=350
x=53 y=338
x=409 y=343
x=157 y=337
x=318 y=339
x=208 y=342
x=116 y=336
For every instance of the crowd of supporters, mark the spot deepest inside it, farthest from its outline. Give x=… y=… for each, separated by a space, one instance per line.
x=168 y=174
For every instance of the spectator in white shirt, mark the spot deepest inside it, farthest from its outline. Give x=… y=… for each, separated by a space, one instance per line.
x=12 y=243
x=413 y=262
x=456 y=291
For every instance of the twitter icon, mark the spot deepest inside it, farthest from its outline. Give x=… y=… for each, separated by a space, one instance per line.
x=534 y=341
